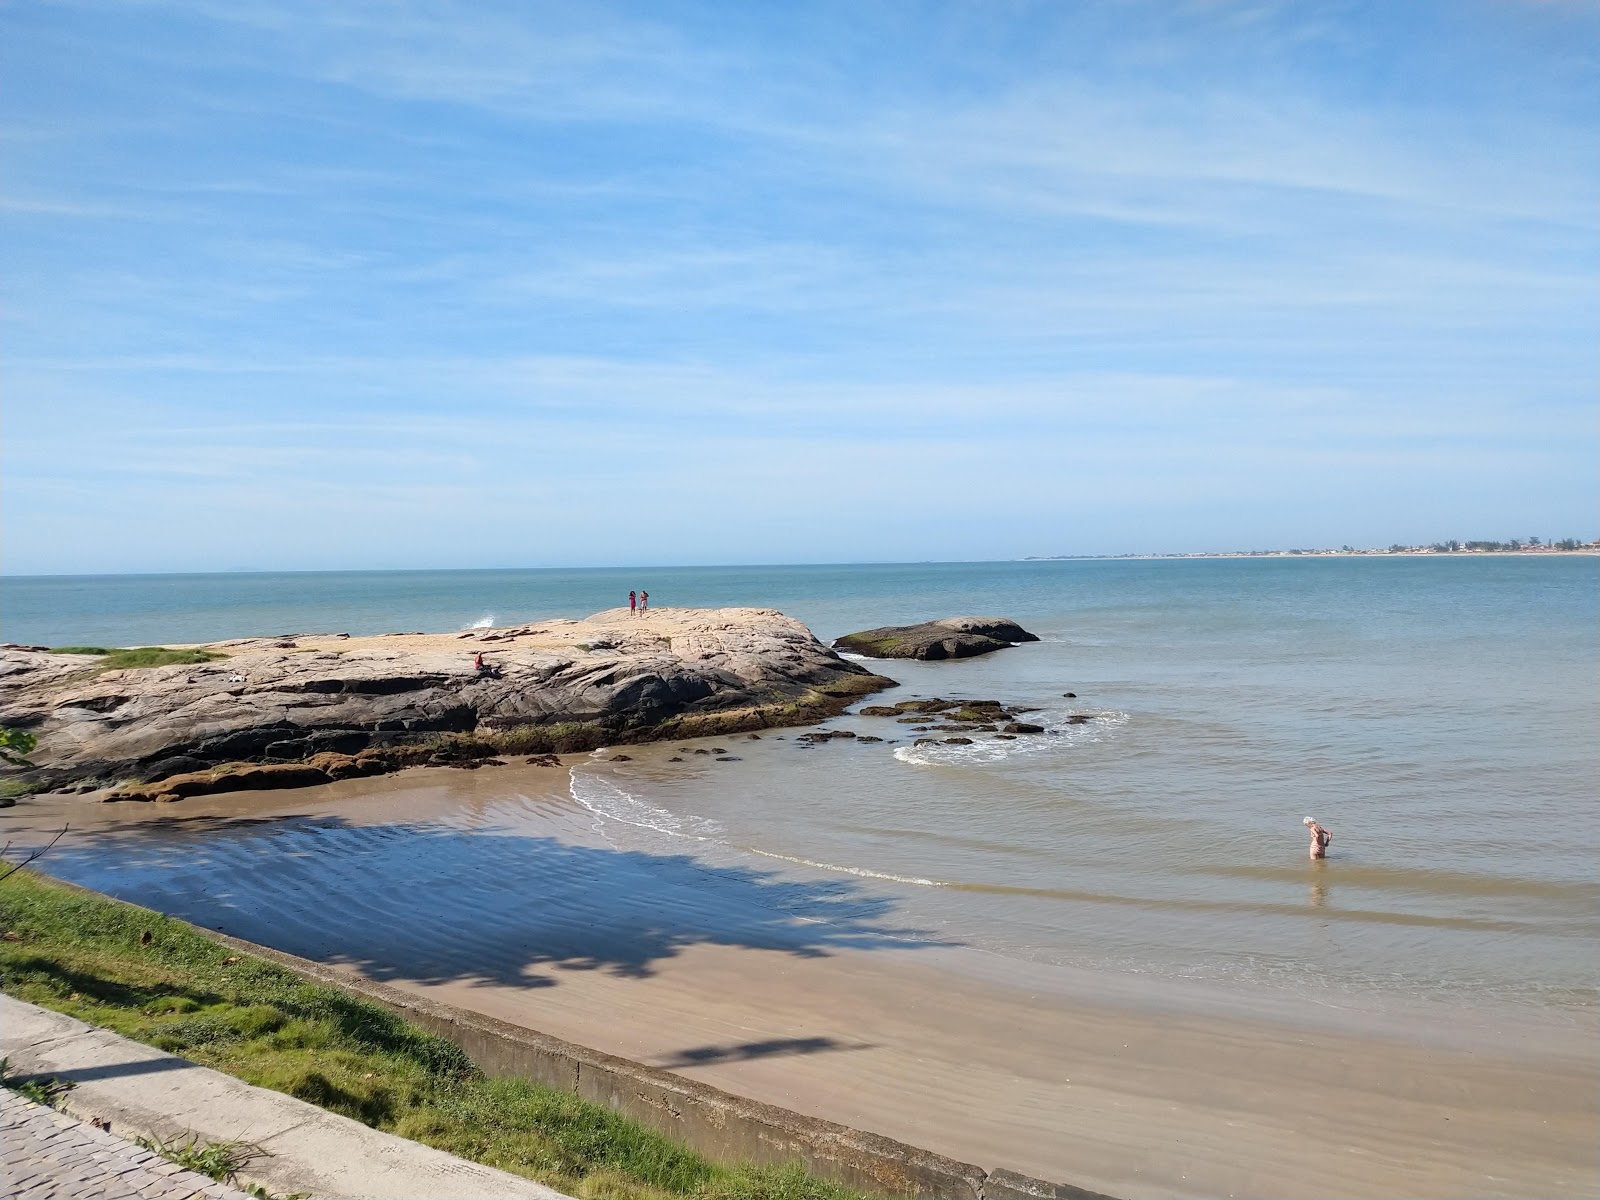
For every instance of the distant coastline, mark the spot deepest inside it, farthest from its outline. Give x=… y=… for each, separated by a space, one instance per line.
x=1451 y=549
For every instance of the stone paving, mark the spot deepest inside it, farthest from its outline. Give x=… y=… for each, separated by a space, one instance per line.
x=48 y=1155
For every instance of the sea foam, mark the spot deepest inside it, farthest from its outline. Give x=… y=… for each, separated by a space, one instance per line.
x=983 y=750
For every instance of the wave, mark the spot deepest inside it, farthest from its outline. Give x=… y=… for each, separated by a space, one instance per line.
x=484 y=622
x=605 y=799
x=1104 y=725
x=1296 y=911
x=860 y=872
x=1414 y=879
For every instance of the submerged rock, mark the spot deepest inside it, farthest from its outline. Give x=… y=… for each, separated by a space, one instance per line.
x=950 y=637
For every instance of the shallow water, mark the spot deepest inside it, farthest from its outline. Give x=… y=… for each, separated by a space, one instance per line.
x=1437 y=714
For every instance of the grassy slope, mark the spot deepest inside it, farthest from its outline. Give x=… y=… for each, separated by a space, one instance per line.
x=155 y=979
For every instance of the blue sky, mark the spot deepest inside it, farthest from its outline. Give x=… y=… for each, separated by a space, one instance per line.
x=321 y=285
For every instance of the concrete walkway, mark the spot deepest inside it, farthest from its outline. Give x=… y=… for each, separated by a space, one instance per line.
x=136 y=1089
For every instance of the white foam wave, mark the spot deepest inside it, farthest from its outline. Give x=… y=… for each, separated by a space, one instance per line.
x=852 y=657
x=1104 y=725
x=484 y=622
x=862 y=872
x=610 y=802
x=605 y=799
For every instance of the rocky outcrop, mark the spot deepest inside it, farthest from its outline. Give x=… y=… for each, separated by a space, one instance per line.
x=334 y=705
x=952 y=637
x=938 y=715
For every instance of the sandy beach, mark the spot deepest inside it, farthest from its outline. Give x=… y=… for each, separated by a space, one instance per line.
x=494 y=891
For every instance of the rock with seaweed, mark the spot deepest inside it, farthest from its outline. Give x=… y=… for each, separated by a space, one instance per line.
x=950 y=637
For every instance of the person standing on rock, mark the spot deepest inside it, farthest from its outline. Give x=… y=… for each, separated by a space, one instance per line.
x=644 y=601
x=633 y=604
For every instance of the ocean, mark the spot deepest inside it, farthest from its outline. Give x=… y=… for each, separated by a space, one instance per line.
x=1437 y=714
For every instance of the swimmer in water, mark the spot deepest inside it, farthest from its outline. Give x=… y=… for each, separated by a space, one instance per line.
x=1320 y=838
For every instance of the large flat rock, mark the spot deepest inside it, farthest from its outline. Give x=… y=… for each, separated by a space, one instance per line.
x=612 y=676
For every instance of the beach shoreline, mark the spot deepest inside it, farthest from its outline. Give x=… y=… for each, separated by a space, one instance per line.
x=1138 y=1091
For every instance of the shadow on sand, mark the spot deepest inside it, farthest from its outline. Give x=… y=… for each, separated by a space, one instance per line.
x=435 y=903
x=706 y=1056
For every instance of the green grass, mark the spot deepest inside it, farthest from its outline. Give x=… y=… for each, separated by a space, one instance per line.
x=141 y=656
x=47 y=1092
x=219 y=1160
x=12 y=790
x=156 y=656
x=159 y=981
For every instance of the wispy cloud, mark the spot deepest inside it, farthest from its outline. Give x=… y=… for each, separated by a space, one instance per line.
x=1149 y=261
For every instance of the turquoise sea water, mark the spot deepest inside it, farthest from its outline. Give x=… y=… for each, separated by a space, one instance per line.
x=1438 y=714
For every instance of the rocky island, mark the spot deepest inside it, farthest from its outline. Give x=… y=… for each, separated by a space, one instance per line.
x=951 y=637
x=303 y=709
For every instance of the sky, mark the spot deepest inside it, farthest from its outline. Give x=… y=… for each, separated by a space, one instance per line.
x=305 y=285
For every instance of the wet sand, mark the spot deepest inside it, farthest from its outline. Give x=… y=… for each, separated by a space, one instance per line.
x=492 y=890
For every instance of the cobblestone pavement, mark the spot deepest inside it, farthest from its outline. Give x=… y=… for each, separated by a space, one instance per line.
x=48 y=1155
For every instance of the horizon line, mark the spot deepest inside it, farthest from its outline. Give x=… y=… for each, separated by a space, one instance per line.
x=1421 y=549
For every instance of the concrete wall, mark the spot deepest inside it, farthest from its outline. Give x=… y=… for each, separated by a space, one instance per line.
x=717 y=1124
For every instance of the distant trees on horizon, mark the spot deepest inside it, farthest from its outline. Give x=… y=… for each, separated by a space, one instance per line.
x=1453 y=547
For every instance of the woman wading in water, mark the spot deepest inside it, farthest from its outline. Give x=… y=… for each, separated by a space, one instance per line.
x=1320 y=838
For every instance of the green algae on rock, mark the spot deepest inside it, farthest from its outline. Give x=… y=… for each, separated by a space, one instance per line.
x=950 y=637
